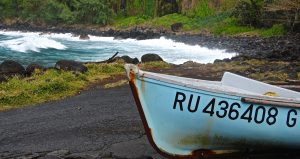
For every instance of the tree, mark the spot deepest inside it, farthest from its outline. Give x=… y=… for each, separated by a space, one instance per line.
x=9 y=8
x=92 y=11
x=248 y=12
x=290 y=7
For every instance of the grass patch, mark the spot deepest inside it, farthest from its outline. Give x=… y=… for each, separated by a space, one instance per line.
x=202 y=9
x=232 y=66
x=198 y=20
x=155 y=64
x=261 y=70
x=276 y=30
x=52 y=85
x=116 y=84
x=270 y=76
x=130 y=21
x=229 y=27
x=167 y=20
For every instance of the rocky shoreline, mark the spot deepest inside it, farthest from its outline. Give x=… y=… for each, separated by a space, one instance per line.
x=10 y=68
x=283 y=48
x=94 y=104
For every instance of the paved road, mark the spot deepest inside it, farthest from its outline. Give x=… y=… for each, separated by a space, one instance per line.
x=97 y=122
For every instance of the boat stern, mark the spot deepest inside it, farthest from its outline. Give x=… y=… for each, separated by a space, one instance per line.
x=131 y=71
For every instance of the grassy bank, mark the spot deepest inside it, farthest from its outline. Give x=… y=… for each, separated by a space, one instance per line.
x=52 y=85
x=218 y=17
x=220 y=24
x=55 y=84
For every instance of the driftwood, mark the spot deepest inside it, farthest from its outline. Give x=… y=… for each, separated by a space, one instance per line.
x=110 y=60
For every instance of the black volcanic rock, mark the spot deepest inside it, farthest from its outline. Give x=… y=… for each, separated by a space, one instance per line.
x=69 y=65
x=10 y=68
x=176 y=27
x=84 y=37
x=30 y=68
x=128 y=59
x=135 y=61
x=2 y=78
x=151 y=57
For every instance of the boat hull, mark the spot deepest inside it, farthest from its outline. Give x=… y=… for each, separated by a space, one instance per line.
x=182 y=121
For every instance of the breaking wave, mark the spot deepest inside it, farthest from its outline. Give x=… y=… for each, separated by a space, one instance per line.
x=67 y=46
x=31 y=42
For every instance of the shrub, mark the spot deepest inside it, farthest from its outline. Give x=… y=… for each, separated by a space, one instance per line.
x=92 y=11
x=248 y=12
x=130 y=21
x=201 y=10
x=276 y=30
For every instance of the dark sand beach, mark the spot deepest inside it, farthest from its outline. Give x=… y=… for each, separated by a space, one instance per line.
x=96 y=123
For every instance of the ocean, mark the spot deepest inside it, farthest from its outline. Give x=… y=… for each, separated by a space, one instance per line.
x=46 y=49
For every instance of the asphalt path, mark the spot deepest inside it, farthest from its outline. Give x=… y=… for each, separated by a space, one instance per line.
x=98 y=122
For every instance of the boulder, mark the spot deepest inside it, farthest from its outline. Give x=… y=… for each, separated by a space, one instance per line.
x=84 y=37
x=218 y=61
x=176 y=27
x=191 y=64
x=3 y=78
x=69 y=65
x=128 y=59
x=151 y=57
x=30 y=68
x=10 y=67
x=224 y=60
x=135 y=61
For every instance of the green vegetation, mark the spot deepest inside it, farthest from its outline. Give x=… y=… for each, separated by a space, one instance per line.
x=116 y=84
x=276 y=30
x=230 y=17
x=52 y=85
x=270 y=76
x=55 y=84
x=130 y=21
x=220 y=20
x=167 y=20
x=221 y=24
x=261 y=70
x=57 y=11
x=229 y=27
x=155 y=64
x=201 y=9
x=248 y=12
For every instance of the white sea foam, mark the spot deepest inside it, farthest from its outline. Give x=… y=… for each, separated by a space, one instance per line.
x=24 y=42
x=169 y=50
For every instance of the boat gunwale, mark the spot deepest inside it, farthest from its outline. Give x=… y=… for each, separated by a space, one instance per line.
x=283 y=102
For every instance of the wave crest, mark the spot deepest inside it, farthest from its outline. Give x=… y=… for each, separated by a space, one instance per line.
x=32 y=43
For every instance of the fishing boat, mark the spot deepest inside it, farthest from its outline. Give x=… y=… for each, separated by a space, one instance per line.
x=186 y=117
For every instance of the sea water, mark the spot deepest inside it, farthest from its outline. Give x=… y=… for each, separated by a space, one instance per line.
x=46 y=49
